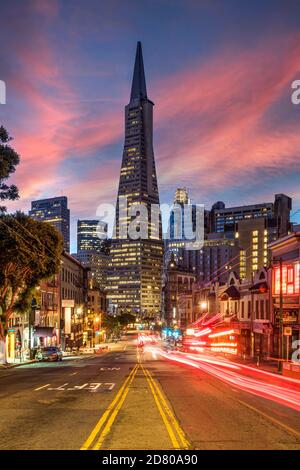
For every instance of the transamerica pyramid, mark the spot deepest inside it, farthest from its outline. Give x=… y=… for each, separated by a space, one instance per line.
x=135 y=273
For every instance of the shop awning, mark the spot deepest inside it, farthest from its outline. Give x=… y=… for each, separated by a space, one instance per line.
x=262 y=327
x=44 y=331
x=230 y=293
x=260 y=287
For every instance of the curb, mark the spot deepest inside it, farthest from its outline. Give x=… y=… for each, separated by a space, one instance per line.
x=12 y=366
x=76 y=358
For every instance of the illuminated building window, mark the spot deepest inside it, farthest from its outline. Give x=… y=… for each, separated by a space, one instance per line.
x=290 y=279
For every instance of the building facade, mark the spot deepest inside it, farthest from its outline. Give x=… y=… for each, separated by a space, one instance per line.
x=58 y=317
x=97 y=264
x=254 y=226
x=55 y=212
x=134 y=278
x=177 y=295
x=285 y=256
x=73 y=291
x=238 y=314
x=236 y=238
x=90 y=235
x=93 y=332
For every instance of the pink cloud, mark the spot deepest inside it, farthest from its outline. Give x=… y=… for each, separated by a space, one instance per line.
x=213 y=116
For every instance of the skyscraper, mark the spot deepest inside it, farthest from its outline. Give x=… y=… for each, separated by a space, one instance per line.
x=54 y=211
x=134 y=279
x=90 y=235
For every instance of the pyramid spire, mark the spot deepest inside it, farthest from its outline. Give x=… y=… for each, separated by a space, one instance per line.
x=138 y=88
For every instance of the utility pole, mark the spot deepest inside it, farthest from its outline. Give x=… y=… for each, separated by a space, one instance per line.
x=31 y=319
x=280 y=337
x=252 y=319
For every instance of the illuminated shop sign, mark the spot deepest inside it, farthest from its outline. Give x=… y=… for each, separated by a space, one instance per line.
x=290 y=279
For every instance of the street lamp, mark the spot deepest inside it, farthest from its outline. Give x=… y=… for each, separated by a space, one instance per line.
x=31 y=320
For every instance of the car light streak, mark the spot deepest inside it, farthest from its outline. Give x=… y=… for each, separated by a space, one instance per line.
x=204 y=332
x=233 y=374
x=212 y=320
x=221 y=333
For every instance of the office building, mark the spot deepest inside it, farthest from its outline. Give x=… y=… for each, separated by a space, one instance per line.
x=134 y=279
x=55 y=212
x=91 y=235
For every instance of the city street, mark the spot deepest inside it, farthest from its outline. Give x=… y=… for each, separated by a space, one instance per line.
x=130 y=398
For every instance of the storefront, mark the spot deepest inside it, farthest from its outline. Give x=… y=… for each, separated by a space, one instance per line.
x=14 y=344
x=44 y=336
x=285 y=293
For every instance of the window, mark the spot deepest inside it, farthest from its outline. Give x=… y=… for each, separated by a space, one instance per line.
x=256 y=309
x=262 y=309
x=290 y=279
x=267 y=310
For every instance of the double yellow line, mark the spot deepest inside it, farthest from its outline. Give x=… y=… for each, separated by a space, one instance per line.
x=104 y=425
x=175 y=432
x=107 y=419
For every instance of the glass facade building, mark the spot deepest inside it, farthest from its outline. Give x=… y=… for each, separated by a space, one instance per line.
x=90 y=235
x=135 y=271
x=54 y=211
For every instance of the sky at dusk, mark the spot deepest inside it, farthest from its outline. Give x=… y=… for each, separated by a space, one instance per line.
x=218 y=71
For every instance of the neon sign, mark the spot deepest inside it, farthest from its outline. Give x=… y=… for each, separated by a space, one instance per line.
x=290 y=279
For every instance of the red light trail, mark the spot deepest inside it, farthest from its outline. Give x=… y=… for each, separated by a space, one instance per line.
x=243 y=377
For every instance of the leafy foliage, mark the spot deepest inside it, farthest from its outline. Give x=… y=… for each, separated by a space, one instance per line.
x=9 y=159
x=126 y=319
x=30 y=251
x=111 y=324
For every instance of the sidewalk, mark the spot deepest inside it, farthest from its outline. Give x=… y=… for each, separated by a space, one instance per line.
x=264 y=364
x=10 y=365
x=67 y=356
x=267 y=365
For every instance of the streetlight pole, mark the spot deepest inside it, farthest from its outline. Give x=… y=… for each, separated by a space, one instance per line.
x=280 y=337
x=31 y=318
x=252 y=319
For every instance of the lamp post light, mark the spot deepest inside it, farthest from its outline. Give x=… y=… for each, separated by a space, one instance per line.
x=280 y=336
x=97 y=320
x=31 y=320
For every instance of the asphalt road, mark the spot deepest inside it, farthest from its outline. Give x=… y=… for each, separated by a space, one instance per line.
x=125 y=399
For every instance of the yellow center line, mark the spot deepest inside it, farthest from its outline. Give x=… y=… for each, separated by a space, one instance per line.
x=174 y=421
x=114 y=414
x=162 y=403
x=162 y=413
x=110 y=409
x=273 y=420
x=40 y=388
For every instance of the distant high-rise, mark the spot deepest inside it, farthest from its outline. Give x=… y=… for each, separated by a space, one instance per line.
x=54 y=211
x=97 y=262
x=90 y=235
x=135 y=274
x=254 y=226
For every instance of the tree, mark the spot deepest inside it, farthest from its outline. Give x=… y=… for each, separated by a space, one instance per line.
x=9 y=159
x=30 y=252
x=127 y=318
x=111 y=324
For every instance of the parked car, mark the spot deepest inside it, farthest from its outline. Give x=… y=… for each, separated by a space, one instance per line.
x=49 y=353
